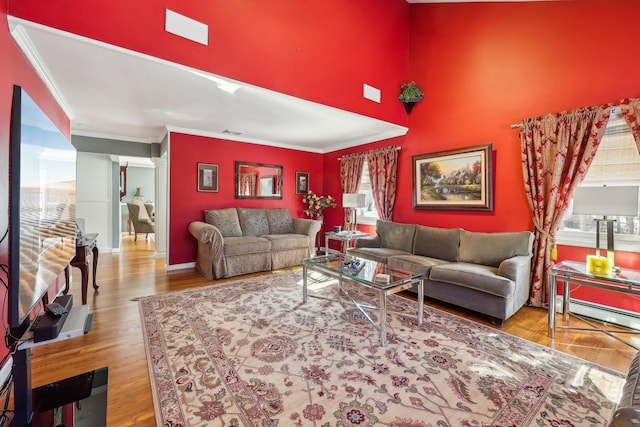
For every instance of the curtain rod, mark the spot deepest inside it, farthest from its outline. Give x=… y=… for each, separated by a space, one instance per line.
x=397 y=148
x=614 y=111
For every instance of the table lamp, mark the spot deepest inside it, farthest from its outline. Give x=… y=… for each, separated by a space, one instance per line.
x=353 y=201
x=605 y=201
x=138 y=194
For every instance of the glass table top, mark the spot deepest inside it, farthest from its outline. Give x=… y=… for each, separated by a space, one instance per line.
x=365 y=271
x=622 y=275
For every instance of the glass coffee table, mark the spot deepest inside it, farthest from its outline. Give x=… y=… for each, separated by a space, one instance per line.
x=335 y=265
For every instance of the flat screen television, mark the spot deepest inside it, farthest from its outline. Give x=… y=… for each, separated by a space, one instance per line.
x=42 y=208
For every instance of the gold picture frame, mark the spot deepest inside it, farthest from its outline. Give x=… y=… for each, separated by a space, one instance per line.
x=460 y=179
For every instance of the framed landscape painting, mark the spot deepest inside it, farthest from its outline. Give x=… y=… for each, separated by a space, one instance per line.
x=458 y=179
x=207 y=177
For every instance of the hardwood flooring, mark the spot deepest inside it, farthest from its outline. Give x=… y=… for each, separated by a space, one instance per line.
x=116 y=340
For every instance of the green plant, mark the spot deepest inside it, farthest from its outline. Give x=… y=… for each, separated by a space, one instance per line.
x=410 y=92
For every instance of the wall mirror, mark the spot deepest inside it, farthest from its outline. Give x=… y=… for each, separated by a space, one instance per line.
x=258 y=181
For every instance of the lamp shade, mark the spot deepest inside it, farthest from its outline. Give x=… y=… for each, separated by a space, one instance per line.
x=606 y=201
x=138 y=192
x=353 y=200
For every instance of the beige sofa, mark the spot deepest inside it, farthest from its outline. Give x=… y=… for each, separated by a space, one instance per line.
x=484 y=272
x=237 y=241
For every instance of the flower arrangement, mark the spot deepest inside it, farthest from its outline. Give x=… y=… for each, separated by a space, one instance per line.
x=317 y=204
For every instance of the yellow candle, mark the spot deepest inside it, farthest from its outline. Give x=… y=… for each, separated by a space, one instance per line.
x=598 y=265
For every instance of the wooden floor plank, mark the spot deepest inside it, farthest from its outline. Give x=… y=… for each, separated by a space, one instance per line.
x=117 y=341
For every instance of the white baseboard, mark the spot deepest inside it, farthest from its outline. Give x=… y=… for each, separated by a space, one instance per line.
x=602 y=313
x=5 y=371
x=181 y=266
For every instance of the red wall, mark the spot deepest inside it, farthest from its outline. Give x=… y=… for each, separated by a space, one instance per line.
x=320 y=50
x=484 y=66
x=15 y=69
x=187 y=204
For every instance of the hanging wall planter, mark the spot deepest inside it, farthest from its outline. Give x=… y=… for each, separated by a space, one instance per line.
x=410 y=95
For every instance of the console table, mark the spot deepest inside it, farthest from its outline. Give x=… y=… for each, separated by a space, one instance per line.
x=85 y=247
x=568 y=272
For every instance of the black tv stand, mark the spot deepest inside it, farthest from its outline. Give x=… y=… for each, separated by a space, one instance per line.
x=89 y=387
x=78 y=322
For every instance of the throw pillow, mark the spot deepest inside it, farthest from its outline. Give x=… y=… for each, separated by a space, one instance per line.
x=493 y=248
x=440 y=243
x=226 y=220
x=253 y=222
x=397 y=236
x=280 y=221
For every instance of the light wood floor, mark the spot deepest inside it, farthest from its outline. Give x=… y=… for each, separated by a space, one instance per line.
x=116 y=339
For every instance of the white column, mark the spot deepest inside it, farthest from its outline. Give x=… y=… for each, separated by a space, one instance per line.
x=162 y=207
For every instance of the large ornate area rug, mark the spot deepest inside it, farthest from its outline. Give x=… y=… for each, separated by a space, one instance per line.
x=250 y=353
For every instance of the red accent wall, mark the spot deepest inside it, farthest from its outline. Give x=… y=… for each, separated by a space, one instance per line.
x=187 y=204
x=15 y=69
x=320 y=50
x=484 y=66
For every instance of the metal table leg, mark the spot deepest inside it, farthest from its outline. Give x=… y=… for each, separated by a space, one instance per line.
x=552 y=306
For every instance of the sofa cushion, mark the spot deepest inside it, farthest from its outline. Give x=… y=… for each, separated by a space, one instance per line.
x=631 y=391
x=280 y=221
x=376 y=254
x=284 y=242
x=397 y=236
x=433 y=242
x=473 y=276
x=414 y=263
x=493 y=248
x=245 y=245
x=226 y=220
x=253 y=222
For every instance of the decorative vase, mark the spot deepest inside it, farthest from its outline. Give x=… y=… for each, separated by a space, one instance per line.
x=320 y=218
x=408 y=105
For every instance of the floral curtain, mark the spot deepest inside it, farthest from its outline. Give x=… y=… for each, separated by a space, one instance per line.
x=557 y=150
x=350 y=176
x=630 y=109
x=383 y=165
x=248 y=183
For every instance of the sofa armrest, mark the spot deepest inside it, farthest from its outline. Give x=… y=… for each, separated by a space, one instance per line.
x=368 y=242
x=515 y=267
x=310 y=228
x=210 y=260
x=626 y=417
x=203 y=232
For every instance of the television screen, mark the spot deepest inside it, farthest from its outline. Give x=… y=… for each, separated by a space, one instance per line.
x=42 y=204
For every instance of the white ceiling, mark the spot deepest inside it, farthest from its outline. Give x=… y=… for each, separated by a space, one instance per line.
x=114 y=93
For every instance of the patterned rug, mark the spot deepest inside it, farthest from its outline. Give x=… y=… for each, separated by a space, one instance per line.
x=250 y=353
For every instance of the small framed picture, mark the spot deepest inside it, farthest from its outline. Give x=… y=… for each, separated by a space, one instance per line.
x=302 y=182
x=207 y=177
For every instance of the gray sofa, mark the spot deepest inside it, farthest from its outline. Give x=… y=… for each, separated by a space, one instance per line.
x=628 y=410
x=237 y=241
x=485 y=272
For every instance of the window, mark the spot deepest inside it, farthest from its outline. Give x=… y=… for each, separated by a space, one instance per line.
x=368 y=214
x=617 y=162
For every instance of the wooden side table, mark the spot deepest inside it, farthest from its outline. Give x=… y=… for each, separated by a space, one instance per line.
x=85 y=247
